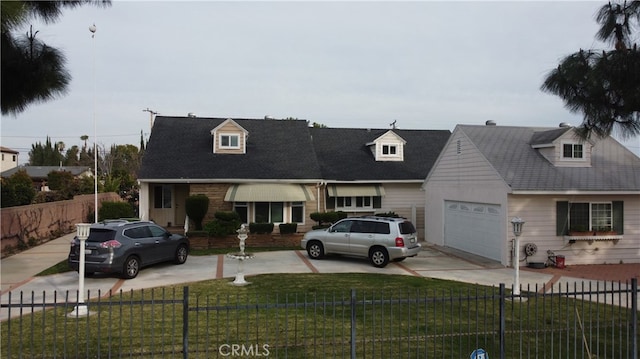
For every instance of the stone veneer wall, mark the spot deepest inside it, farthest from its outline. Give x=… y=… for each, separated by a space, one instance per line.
x=216 y=192
x=45 y=221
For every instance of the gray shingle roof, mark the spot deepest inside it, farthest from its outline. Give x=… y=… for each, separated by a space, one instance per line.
x=182 y=148
x=41 y=172
x=509 y=150
x=343 y=155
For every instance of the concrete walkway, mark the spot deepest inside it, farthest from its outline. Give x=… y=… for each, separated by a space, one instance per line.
x=18 y=272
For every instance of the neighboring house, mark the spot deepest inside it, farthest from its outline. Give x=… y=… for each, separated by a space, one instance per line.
x=39 y=174
x=281 y=171
x=9 y=159
x=580 y=199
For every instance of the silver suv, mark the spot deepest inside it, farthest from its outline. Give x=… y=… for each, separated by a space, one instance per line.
x=380 y=239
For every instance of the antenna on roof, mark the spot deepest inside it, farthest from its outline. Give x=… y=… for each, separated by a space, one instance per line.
x=393 y=124
x=151 y=114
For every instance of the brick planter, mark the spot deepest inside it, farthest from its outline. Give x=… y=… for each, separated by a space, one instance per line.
x=254 y=240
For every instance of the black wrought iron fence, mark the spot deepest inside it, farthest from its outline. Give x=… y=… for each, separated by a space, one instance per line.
x=564 y=322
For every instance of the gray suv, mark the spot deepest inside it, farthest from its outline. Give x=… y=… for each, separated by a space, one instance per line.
x=120 y=246
x=381 y=239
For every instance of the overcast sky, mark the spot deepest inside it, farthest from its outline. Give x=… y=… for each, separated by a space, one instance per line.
x=426 y=65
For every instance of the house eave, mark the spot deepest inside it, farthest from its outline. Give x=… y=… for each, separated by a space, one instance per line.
x=575 y=192
x=372 y=181
x=225 y=180
x=249 y=180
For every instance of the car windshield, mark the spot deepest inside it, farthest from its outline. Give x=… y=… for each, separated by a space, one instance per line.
x=101 y=235
x=407 y=228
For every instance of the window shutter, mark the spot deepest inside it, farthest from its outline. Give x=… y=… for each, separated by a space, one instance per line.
x=377 y=202
x=618 y=216
x=562 y=218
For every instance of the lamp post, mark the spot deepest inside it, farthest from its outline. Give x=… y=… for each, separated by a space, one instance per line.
x=517 y=224
x=81 y=308
x=93 y=29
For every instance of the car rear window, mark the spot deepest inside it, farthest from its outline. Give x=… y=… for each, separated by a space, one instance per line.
x=407 y=228
x=382 y=228
x=100 y=235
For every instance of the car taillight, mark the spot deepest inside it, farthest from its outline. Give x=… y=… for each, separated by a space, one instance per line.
x=111 y=244
x=399 y=242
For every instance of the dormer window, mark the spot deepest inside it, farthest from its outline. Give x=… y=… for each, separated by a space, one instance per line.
x=229 y=138
x=229 y=141
x=388 y=147
x=389 y=150
x=572 y=150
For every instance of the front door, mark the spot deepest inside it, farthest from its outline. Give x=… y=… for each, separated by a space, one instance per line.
x=181 y=194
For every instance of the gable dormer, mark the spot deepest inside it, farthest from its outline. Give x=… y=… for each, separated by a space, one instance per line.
x=229 y=138
x=563 y=147
x=388 y=147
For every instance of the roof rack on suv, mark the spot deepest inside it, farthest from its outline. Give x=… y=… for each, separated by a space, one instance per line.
x=122 y=221
x=383 y=217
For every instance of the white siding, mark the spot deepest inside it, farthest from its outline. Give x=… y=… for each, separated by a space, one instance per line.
x=539 y=212
x=462 y=174
x=461 y=163
x=407 y=200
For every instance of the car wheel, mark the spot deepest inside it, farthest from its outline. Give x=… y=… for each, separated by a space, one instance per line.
x=131 y=267
x=379 y=257
x=315 y=250
x=181 y=254
x=89 y=274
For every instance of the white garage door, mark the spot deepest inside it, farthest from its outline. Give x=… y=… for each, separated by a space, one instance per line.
x=473 y=228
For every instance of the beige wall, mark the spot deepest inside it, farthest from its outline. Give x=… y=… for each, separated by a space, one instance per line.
x=46 y=221
x=539 y=212
x=406 y=200
x=9 y=161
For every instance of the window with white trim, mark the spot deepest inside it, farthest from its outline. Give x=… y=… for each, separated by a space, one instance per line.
x=242 y=209
x=162 y=196
x=354 y=203
x=229 y=141
x=297 y=212
x=389 y=150
x=590 y=217
x=269 y=212
x=572 y=150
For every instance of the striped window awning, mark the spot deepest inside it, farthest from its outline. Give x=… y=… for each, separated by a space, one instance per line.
x=340 y=190
x=268 y=192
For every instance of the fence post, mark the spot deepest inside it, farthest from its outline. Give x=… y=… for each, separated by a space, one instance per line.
x=185 y=322
x=353 y=323
x=502 y=321
x=634 y=317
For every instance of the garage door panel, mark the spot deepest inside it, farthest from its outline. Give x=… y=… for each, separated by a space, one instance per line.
x=474 y=228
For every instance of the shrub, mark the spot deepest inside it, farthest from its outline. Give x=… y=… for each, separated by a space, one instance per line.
x=115 y=210
x=225 y=223
x=197 y=207
x=327 y=217
x=261 y=228
x=227 y=216
x=288 y=228
x=57 y=180
x=17 y=190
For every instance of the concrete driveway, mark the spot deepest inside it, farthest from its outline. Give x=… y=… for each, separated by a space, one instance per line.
x=18 y=272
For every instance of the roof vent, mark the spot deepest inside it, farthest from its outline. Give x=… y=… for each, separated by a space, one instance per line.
x=191 y=114
x=565 y=124
x=490 y=123
x=268 y=117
